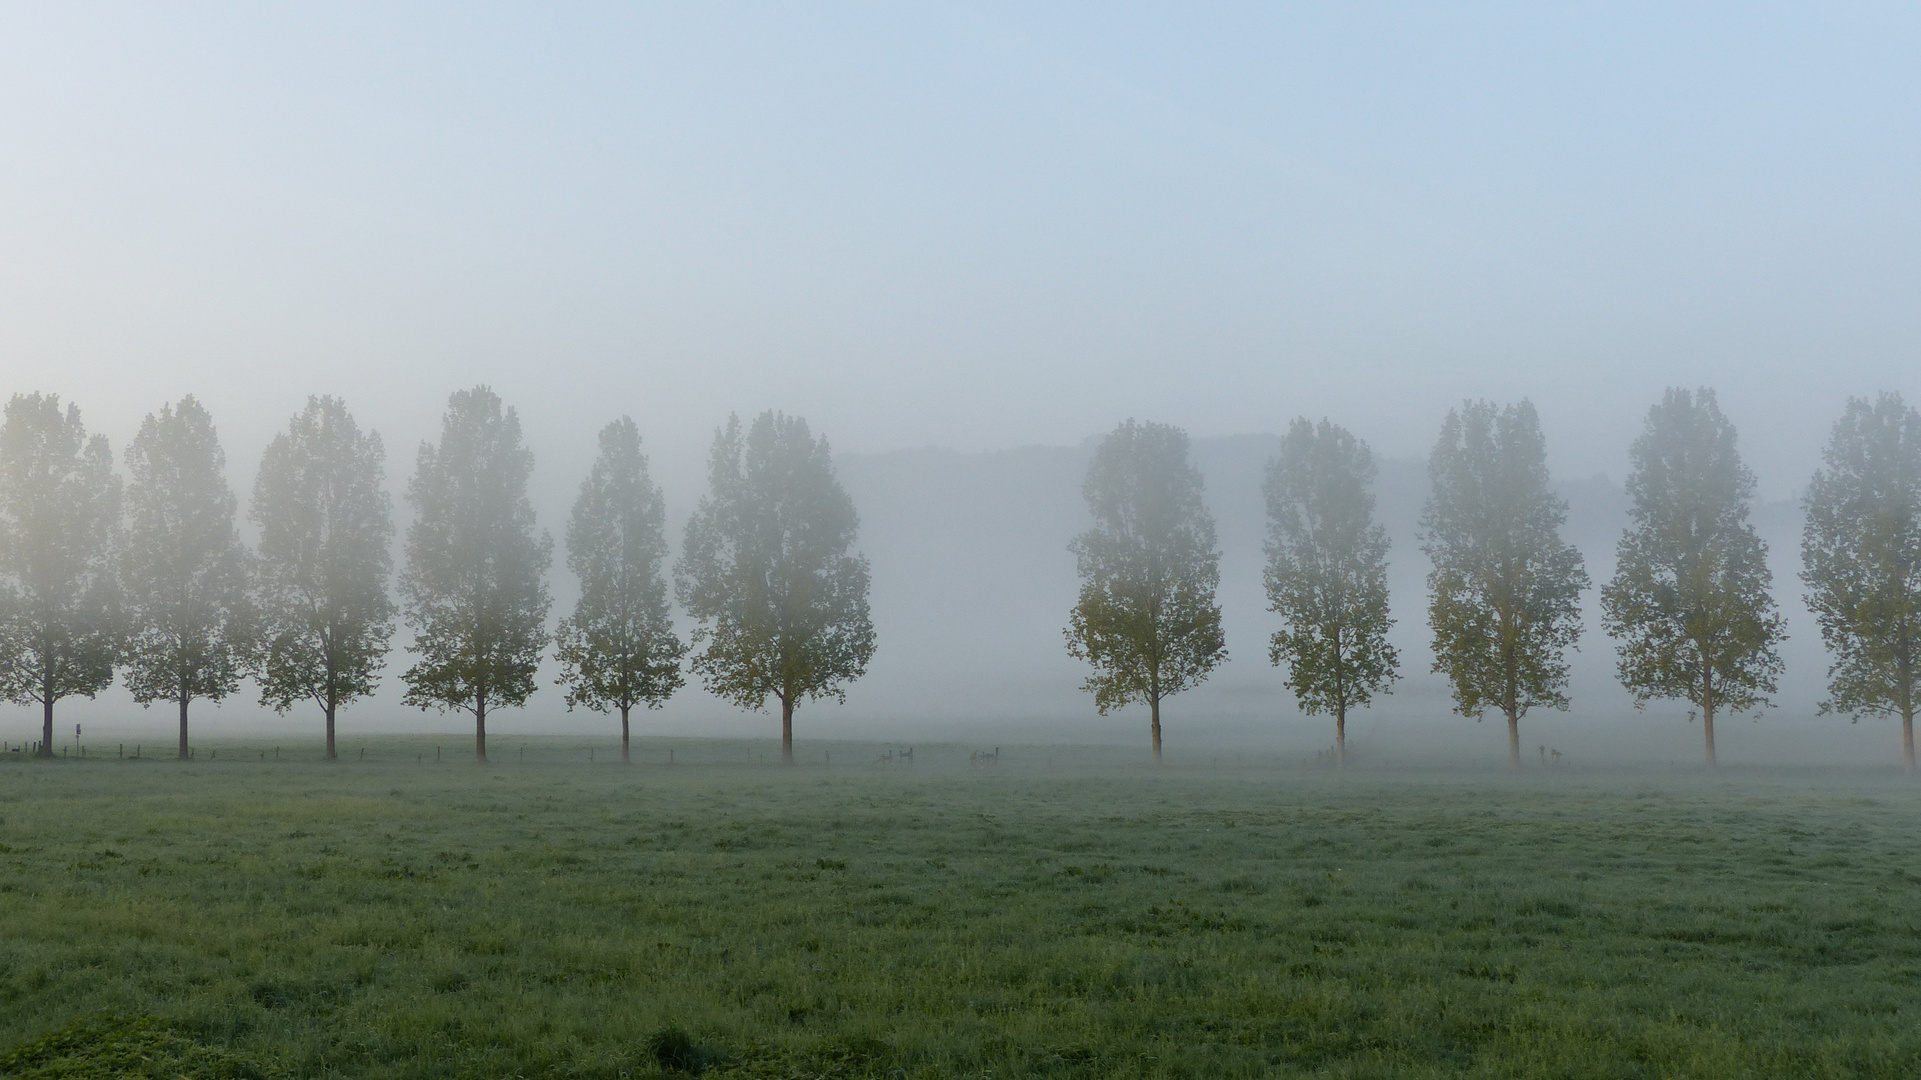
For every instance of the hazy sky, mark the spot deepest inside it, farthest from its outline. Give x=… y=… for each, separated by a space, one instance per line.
x=969 y=225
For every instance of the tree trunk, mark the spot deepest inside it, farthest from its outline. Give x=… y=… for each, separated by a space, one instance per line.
x=1907 y=735
x=1340 y=738
x=624 y=710
x=1707 y=715
x=183 y=725
x=1513 y=740
x=1154 y=708
x=786 y=730
x=332 y=705
x=480 y=729
x=46 y=726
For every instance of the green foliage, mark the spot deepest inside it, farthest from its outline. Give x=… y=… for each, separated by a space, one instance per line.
x=1861 y=547
x=326 y=532
x=619 y=649
x=475 y=586
x=765 y=568
x=387 y=920
x=1689 y=604
x=59 y=522
x=1327 y=570
x=113 y=1048
x=185 y=569
x=1147 y=619
x=1505 y=589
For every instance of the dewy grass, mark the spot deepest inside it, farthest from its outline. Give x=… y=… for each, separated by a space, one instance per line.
x=397 y=918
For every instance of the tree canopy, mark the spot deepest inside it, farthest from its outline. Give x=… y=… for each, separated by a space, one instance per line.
x=1861 y=549
x=1327 y=574
x=59 y=526
x=1147 y=618
x=475 y=585
x=326 y=533
x=185 y=570
x=618 y=649
x=767 y=570
x=1689 y=604
x=1504 y=591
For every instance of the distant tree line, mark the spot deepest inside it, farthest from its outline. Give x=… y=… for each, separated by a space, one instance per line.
x=149 y=577
x=1690 y=604
x=152 y=579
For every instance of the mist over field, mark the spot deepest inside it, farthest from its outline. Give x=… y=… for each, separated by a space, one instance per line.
x=972 y=582
x=963 y=242
x=841 y=405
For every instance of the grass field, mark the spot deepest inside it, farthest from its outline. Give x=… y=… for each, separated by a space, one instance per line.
x=1060 y=914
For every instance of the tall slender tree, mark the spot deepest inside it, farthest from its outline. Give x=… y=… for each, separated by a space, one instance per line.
x=1147 y=618
x=185 y=569
x=1504 y=593
x=475 y=585
x=59 y=524
x=1689 y=604
x=767 y=570
x=1327 y=574
x=1861 y=549
x=619 y=649
x=326 y=535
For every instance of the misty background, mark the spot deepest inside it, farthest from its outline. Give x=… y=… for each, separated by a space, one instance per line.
x=962 y=240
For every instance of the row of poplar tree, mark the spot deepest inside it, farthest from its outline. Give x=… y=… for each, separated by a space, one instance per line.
x=1690 y=605
x=152 y=579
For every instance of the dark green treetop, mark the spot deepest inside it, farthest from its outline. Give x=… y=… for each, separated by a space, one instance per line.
x=618 y=649
x=474 y=590
x=767 y=570
x=1327 y=573
x=1861 y=551
x=1504 y=591
x=184 y=570
x=326 y=534
x=1689 y=604
x=59 y=526
x=1147 y=619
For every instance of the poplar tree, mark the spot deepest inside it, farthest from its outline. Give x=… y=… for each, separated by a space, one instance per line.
x=474 y=588
x=618 y=650
x=326 y=533
x=1689 y=604
x=1505 y=589
x=1147 y=619
x=59 y=523
x=1327 y=574
x=185 y=569
x=766 y=568
x=1861 y=548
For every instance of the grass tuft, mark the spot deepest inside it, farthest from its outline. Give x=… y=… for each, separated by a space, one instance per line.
x=140 y=1048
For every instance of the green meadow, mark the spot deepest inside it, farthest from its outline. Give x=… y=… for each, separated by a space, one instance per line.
x=1063 y=913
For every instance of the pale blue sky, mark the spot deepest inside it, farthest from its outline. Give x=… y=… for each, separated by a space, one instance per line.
x=971 y=225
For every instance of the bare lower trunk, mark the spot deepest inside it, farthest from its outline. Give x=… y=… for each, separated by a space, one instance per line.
x=183 y=726
x=1340 y=738
x=787 y=730
x=1513 y=741
x=46 y=727
x=1707 y=717
x=624 y=710
x=332 y=707
x=1907 y=737
x=480 y=729
x=1154 y=708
